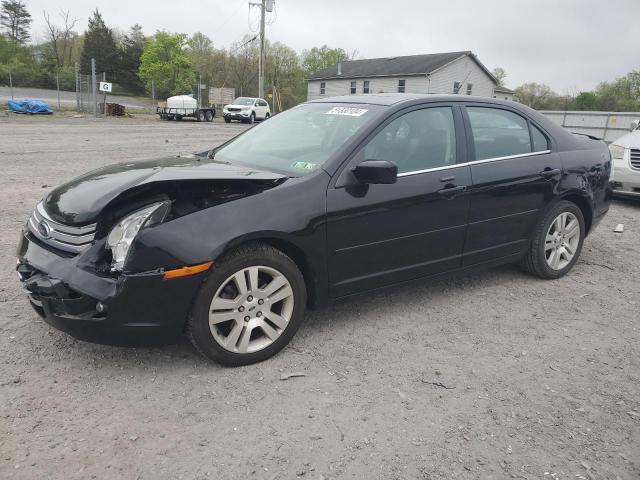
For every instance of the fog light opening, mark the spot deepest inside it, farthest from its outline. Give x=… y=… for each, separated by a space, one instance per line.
x=101 y=307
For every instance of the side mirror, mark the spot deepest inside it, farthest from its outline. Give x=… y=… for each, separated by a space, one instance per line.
x=635 y=124
x=376 y=171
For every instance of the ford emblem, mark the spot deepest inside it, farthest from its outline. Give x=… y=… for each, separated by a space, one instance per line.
x=44 y=229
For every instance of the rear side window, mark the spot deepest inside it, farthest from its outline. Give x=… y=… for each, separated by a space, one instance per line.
x=540 y=142
x=417 y=140
x=498 y=133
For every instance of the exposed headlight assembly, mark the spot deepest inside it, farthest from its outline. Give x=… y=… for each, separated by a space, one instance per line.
x=123 y=233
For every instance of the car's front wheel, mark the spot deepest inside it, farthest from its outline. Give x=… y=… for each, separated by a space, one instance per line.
x=557 y=241
x=250 y=306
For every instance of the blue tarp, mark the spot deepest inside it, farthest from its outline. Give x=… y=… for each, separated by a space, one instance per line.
x=29 y=106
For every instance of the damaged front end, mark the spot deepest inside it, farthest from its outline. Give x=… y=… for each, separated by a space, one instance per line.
x=80 y=277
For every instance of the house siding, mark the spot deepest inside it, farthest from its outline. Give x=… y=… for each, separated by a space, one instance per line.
x=440 y=82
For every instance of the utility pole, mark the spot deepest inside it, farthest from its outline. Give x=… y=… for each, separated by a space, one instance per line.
x=261 y=62
x=265 y=6
x=94 y=87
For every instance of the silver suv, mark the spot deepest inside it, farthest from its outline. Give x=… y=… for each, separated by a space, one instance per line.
x=625 y=152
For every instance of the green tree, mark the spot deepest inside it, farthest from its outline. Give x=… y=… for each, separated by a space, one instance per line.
x=131 y=50
x=99 y=43
x=587 y=101
x=322 y=57
x=15 y=20
x=283 y=70
x=622 y=95
x=500 y=75
x=538 y=96
x=165 y=61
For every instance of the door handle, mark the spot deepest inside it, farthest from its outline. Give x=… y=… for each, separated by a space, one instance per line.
x=452 y=190
x=550 y=172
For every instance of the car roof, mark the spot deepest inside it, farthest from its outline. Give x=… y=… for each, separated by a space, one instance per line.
x=388 y=99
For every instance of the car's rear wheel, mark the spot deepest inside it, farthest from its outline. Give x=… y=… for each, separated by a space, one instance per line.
x=250 y=306
x=557 y=241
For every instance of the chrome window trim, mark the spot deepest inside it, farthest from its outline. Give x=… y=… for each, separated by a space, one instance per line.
x=474 y=162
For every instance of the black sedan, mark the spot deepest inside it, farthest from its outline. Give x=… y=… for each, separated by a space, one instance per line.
x=329 y=199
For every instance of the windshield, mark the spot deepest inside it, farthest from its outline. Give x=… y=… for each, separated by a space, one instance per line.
x=299 y=140
x=244 y=101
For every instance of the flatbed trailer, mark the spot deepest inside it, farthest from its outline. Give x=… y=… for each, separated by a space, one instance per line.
x=204 y=114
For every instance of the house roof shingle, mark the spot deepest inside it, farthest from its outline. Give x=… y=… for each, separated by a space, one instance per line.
x=393 y=66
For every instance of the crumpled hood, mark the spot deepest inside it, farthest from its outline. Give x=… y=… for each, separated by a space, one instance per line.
x=81 y=200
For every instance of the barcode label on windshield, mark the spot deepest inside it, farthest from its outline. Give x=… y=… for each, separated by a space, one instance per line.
x=349 y=111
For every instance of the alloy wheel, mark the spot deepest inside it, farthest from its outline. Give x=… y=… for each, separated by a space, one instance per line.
x=251 y=309
x=562 y=240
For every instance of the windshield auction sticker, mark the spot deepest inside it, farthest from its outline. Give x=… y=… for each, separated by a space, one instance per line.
x=349 y=111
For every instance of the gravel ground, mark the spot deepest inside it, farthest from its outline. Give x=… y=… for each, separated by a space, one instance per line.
x=491 y=375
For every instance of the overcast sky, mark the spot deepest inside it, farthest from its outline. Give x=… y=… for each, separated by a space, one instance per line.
x=571 y=45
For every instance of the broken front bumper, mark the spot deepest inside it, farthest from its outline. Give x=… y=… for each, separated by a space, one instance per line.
x=130 y=309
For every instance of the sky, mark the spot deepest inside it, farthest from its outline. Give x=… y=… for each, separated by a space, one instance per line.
x=570 y=45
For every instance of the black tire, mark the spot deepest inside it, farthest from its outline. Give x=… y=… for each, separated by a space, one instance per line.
x=201 y=116
x=252 y=117
x=210 y=114
x=253 y=254
x=178 y=117
x=267 y=115
x=227 y=120
x=535 y=260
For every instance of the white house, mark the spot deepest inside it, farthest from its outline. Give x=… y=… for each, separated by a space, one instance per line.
x=444 y=73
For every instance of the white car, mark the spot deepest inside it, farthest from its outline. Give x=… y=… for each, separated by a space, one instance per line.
x=247 y=110
x=625 y=153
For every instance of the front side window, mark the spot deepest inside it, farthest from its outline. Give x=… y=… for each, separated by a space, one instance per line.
x=365 y=86
x=300 y=140
x=417 y=140
x=498 y=133
x=402 y=85
x=323 y=88
x=353 y=87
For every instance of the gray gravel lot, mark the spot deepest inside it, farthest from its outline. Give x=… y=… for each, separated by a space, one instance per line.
x=490 y=375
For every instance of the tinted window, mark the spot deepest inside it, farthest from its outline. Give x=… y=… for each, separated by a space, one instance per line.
x=498 y=133
x=540 y=142
x=417 y=140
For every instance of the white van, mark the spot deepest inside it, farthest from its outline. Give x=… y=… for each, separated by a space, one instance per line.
x=625 y=152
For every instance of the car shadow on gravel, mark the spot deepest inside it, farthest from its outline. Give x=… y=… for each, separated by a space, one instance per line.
x=394 y=301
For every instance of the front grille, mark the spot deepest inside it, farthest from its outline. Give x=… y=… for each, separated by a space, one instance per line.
x=65 y=237
x=635 y=158
x=234 y=109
